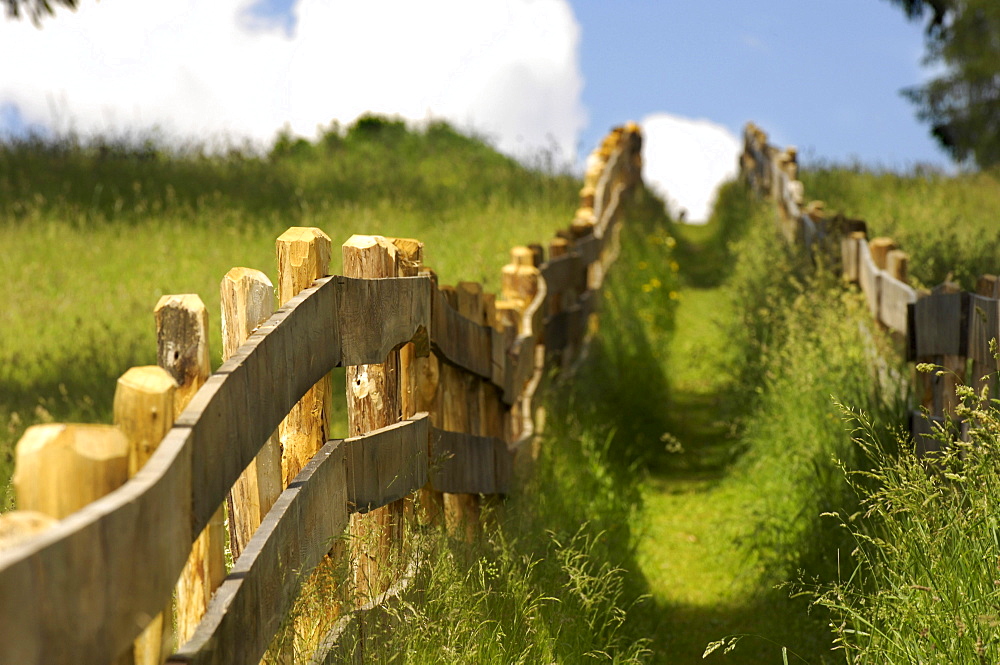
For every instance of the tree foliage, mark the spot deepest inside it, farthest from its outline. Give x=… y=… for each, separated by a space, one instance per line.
x=35 y=9
x=962 y=104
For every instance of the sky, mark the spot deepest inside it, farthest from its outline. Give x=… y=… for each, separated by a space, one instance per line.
x=531 y=76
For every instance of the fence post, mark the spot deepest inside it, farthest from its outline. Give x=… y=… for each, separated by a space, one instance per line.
x=182 y=350
x=58 y=470
x=427 y=397
x=939 y=390
x=61 y=468
x=373 y=401
x=984 y=326
x=409 y=262
x=247 y=298
x=880 y=248
x=519 y=285
x=144 y=410
x=16 y=526
x=897 y=264
x=303 y=257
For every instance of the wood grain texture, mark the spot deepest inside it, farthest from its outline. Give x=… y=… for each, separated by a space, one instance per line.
x=112 y=565
x=374 y=401
x=145 y=399
x=459 y=340
x=469 y=463
x=387 y=464
x=59 y=469
x=380 y=315
x=984 y=325
x=249 y=607
x=940 y=325
x=182 y=350
x=241 y=405
x=247 y=299
x=182 y=343
x=303 y=256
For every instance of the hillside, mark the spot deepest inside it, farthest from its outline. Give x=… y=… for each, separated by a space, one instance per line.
x=97 y=230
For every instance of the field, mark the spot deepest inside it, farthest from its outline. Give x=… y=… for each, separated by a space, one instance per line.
x=95 y=234
x=946 y=224
x=722 y=474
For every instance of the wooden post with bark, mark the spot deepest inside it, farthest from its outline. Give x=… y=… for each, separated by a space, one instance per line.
x=182 y=350
x=984 y=328
x=303 y=257
x=247 y=298
x=374 y=401
x=144 y=411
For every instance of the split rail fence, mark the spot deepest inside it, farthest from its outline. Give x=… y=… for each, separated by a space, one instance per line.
x=440 y=382
x=944 y=326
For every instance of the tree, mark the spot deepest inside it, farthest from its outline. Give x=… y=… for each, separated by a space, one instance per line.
x=35 y=9
x=962 y=105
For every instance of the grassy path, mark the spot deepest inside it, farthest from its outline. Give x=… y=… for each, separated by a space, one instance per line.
x=696 y=551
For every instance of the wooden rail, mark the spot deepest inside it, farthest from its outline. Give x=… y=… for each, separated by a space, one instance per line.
x=945 y=326
x=85 y=587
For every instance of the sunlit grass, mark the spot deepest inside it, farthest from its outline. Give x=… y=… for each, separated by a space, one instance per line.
x=97 y=231
x=946 y=223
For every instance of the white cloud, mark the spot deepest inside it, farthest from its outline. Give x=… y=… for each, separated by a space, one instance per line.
x=505 y=68
x=686 y=160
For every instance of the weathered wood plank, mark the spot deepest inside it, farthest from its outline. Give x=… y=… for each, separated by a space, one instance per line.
x=533 y=319
x=984 y=325
x=896 y=296
x=239 y=407
x=82 y=591
x=588 y=249
x=925 y=432
x=849 y=252
x=557 y=329
x=380 y=315
x=940 y=325
x=386 y=464
x=469 y=464
x=248 y=609
x=869 y=277
x=460 y=341
x=522 y=367
x=564 y=273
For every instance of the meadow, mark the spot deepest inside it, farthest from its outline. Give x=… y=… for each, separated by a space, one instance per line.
x=922 y=585
x=96 y=230
x=724 y=473
x=946 y=224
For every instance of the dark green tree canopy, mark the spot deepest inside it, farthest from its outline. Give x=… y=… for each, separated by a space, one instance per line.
x=35 y=9
x=962 y=105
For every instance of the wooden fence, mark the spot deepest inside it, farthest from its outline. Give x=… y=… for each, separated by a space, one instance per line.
x=440 y=383
x=945 y=326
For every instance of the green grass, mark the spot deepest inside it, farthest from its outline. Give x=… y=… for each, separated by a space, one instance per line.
x=946 y=224
x=98 y=230
x=922 y=582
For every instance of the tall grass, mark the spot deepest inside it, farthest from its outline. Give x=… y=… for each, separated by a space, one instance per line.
x=555 y=578
x=97 y=230
x=801 y=346
x=947 y=224
x=926 y=586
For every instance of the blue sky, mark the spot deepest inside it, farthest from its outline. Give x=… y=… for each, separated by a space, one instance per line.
x=822 y=75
